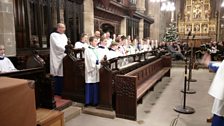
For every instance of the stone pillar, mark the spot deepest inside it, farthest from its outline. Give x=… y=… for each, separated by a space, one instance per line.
x=140 y=5
x=141 y=28
x=7 y=27
x=123 y=27
x=88 y=17
x=161 y=21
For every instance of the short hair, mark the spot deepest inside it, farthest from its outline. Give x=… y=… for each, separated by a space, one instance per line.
x=83 y=35
x=123 y=37
x=102 y=39
x=92 y=38
x=60 y=25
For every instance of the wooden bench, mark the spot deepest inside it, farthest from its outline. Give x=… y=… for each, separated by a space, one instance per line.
x=110 y=69
x=131 y=87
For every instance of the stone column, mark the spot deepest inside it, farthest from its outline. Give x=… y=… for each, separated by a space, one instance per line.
x=123 y=27
x=88 y=17
x=7 y=27
x=141 y=28
x=140 y=5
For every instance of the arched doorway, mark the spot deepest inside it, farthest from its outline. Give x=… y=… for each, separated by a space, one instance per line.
x=107 y=28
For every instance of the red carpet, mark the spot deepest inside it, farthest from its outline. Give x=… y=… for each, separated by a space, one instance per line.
x=62 y=103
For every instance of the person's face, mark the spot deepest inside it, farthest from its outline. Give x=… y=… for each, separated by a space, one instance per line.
x=85 y=39
x=2 y=50
x=104 y=42
x=94 y=43
x=61 y=29
x=115 y=47
x=108 y=34
x=97 y=34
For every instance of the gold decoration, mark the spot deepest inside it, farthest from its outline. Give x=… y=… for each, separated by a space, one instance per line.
x=197 y=19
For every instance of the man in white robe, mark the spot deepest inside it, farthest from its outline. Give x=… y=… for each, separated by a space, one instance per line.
x=5 y=63
x=58 y=41
x=92 y=66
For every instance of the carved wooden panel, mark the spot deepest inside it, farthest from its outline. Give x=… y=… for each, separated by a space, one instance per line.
x=125 y=86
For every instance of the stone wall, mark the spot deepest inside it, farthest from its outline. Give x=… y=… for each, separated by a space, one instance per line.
x=161 y=20
x=7 y=27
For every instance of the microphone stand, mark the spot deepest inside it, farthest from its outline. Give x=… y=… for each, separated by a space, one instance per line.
x=183 y=108
x=191 y=91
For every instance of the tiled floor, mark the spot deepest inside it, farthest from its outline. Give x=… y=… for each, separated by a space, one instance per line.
x=157 y=107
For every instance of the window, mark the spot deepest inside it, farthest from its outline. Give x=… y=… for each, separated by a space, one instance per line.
x=146 y=29
x=132 y=27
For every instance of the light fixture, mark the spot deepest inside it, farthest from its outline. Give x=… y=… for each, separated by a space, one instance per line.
x=157 y=1
x=168 y=6
x=222 y=5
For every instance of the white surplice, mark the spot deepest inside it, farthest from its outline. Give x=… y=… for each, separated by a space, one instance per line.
x=217 y=91
x=79 y=45
x=57 y=48
x=6 y=65
x=91 y=66
x=102 y=51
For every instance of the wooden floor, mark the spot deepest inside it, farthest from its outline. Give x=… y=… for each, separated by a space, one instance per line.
x=157 y=107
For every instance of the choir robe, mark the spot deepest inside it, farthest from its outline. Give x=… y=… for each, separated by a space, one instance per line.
x=217 y=91
x=109 y=41
x=57 y=48
x=79 y=45
x=113 y=54
x=102 y=51
x=92 y=66
x=122 y=50
x=131 y=49
x=6 y=65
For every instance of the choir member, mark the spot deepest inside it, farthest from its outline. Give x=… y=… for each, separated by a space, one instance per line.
x=92 y=66
x=5 y=63
x=109 y=40
x=58 y=40
x=102 y=48
x=122 y=45
x=113 y=51
x=83 y=43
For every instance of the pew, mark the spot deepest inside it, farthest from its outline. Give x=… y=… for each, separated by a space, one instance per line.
x=74 y=75
x=132 y=86
x=35 y=70
x=111 y=68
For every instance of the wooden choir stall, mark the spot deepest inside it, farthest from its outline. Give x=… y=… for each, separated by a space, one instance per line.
x=35 y=70
x=123 y=80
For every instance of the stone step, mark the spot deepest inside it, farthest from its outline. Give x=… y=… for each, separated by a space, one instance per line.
x=99 y=112
x=71 y=112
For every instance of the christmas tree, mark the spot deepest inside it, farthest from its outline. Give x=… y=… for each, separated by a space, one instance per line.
x=171 y=33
